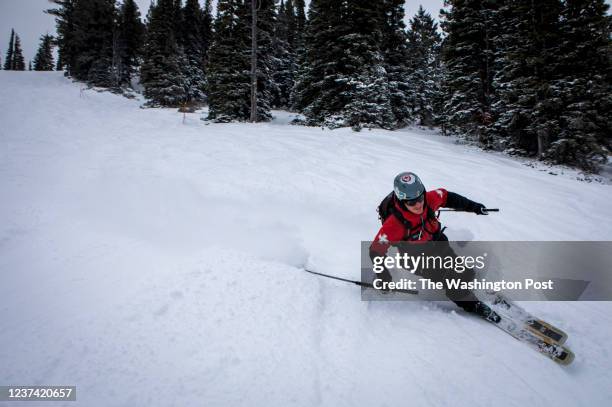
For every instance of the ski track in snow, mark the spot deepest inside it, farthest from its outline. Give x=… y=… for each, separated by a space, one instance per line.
x=152 y=262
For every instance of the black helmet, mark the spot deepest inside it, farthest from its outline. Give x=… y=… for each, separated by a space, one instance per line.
x=408 y=186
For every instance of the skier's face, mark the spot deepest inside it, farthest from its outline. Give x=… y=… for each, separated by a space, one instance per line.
x=416 y=206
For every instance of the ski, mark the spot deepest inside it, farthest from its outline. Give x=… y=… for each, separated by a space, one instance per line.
x=531 y=323
x=547 y=347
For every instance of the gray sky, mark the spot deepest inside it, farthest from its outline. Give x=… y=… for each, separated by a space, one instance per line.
x=29 y=21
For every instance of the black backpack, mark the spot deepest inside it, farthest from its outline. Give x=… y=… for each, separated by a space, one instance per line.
x=387 y=208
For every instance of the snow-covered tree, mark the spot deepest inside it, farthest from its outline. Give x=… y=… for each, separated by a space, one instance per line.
x=396 y=59
x=229 y=61
x=284 y=54
x=192 y=47
x=161 y=75
x=424 y=77
x=342 y=80
x=527 y=112
x=468 y=52
x=585 y=86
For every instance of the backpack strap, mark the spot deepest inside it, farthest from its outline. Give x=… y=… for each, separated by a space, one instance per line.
x=398 y=214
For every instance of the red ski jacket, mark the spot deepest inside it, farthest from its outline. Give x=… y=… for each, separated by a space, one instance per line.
x=423 y=227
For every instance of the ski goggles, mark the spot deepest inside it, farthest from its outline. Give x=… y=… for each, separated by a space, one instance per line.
x=412 y=202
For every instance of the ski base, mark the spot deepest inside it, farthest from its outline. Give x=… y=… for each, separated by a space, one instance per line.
x=535 y=325
x=535 y=333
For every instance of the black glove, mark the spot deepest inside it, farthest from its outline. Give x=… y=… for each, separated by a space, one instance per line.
x=480 y=209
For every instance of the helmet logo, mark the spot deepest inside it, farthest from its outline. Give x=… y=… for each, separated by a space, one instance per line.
x=408 y=179
x=400 y=195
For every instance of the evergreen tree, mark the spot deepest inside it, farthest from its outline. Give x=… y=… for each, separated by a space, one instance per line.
x=8 y=61
x=228 y=80
x=468 y=53
x=284 y=53
x=527 y=112
x=191 y=43
x=43 y=61
x=18 y=60
x=29 y=65
x=425 y=74
x=266 y=63
x=93 y=43
x=300 y=26
x=342 y=80
x=229 y=61
x=584 y=85
x=64 y=18
x=367 y=82
x=206 y=31
x=317 y=92
x=396 y=57
x=129 y=40
x=160 y=74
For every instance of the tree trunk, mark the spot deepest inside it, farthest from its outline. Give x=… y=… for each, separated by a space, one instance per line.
x=254 y=61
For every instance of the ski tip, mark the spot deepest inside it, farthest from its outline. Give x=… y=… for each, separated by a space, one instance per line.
x=566 y=359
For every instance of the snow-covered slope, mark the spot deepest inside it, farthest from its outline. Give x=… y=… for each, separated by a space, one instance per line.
x=152 y=262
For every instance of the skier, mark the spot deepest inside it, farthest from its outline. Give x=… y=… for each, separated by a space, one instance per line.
x=409 y=215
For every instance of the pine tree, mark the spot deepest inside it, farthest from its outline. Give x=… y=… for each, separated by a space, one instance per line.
x=527 y=112
x=284 y=53
x=93 y=43
x=29 y=65
x=160 y=73
x=8 y=61
x=300 y=26
x=228 y=80
x=206 y=30
x=396 y=57
x=584 y=84
x=342 y=81
x=18 y=60
x=317 y=92
x=367 y=81
x=297 y=35
x=229 y=61
x=43 y=61
x=468 y=53
x=266 y=63
x=64 y=18
x=191 y=43
x=425 y=73
x=129 y=40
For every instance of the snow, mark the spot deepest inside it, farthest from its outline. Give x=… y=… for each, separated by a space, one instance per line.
x=154 y=262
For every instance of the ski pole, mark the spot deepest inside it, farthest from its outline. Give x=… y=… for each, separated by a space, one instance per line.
x=359 y=283
x=458 y=210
